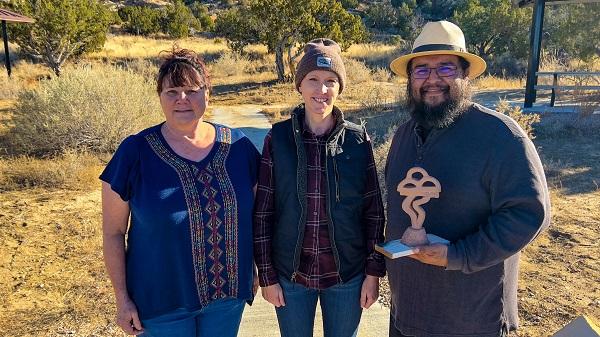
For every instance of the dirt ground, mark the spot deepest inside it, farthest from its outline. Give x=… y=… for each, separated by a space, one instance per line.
x=52 y=279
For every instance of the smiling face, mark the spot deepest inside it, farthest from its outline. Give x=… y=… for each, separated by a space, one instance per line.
x=319 y=89
x=434 y=90
x=438 y=100
x=183 y=105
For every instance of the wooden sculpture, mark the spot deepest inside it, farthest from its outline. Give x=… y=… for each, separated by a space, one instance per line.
x=418 y=191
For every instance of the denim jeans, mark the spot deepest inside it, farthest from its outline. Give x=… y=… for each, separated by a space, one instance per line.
x=220 y=318
x=394 y=332
x=340 y=305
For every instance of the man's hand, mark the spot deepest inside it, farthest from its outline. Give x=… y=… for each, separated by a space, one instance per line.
x=435 y=254
x=369 y=292
x=274 y=295
x=127 y=318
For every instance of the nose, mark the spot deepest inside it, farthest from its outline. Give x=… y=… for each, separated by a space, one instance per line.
x=323 y=87
x=181 y=96
x=433 y=76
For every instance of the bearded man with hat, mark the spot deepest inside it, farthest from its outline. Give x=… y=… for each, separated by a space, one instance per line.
x=493 y=200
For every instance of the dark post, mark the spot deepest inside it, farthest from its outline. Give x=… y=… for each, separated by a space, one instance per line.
x=535 y=48
x=554 y=88
x=6 y=52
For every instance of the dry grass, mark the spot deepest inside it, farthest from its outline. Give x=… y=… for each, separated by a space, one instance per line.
x=129 y=47
x=6 y=114
x=375 y=55
x=366 y=50
x=492 y=82
x=25 y=75
x=70 y=170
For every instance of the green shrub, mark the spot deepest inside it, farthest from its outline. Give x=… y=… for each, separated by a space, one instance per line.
x=177 y=20
x=349 y=4
x=200 y=12
x=524 y=120
x=381 y=16
x=88 y=108
x=63 y=29
x=140 y=20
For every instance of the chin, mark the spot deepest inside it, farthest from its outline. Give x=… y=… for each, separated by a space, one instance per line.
x=321 y=110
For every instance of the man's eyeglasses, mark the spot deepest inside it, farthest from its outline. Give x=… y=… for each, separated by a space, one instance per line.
x=422 y=73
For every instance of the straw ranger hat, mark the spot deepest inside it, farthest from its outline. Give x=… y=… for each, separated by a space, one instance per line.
x=440 y=38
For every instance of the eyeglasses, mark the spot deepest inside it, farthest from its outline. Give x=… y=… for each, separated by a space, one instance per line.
x=176 y=93
x=422 y=73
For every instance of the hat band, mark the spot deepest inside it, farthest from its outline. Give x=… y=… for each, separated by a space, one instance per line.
x=432 y=47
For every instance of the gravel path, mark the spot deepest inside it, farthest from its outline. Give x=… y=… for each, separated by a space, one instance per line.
x=259 y=320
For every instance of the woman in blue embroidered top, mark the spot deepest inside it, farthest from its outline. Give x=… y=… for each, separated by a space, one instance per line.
x=181 y=193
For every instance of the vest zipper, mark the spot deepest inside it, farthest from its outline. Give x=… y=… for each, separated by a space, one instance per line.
x=333 y=136
x=337 y=180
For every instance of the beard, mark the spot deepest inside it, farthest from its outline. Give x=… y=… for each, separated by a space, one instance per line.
x=458 y=99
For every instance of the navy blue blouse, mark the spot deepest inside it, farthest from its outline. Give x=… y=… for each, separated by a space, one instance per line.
x=189 y=240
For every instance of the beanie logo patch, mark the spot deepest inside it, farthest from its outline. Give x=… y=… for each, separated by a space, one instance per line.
x=324 y=62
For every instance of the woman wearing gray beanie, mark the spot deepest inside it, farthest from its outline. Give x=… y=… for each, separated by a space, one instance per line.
x=318 y=211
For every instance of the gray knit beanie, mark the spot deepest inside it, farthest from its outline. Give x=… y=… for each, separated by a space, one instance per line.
x=321 y=54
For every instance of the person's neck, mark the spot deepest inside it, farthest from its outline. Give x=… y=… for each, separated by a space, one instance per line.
x=191 y=132
x=319 y=124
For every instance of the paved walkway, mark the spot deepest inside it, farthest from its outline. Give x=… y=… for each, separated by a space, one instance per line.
x=259 y=320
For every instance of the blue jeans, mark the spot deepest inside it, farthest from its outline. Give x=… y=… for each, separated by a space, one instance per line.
x=340 y=305
x=220 y=318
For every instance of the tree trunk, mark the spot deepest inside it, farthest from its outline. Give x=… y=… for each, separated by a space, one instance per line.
x=291 y=64
x=279 y=62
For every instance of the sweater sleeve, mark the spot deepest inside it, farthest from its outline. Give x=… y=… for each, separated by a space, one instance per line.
x=520 y=208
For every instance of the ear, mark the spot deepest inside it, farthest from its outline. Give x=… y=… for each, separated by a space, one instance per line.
x=466 y=72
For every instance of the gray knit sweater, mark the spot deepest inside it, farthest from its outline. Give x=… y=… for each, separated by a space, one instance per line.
x=494 y=201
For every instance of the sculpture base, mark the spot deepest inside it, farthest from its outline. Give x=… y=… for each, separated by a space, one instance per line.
x=414 y=237
x=395 y=249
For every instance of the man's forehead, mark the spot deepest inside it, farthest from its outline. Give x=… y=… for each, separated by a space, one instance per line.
x=434 y=60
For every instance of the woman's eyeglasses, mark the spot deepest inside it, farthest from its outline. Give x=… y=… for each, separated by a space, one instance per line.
x=422 y=73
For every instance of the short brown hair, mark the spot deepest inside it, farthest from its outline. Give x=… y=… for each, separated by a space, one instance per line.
x=182 y=67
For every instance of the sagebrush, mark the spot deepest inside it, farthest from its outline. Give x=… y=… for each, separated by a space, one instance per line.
x=87 y=108
x=525 y=121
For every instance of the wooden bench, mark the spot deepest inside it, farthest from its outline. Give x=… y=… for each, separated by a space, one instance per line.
x=578 y=76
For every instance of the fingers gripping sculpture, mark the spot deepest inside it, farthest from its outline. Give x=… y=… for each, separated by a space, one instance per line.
x=418 y=191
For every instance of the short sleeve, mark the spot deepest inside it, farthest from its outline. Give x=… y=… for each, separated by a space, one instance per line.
x=122 y=170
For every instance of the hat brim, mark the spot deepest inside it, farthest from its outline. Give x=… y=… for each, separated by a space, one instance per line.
x=476 y=64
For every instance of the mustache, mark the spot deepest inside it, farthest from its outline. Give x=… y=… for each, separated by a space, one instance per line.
x=443 y=88
x=442 y=115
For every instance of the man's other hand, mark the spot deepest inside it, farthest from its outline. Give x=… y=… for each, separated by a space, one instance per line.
x=435 y=254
